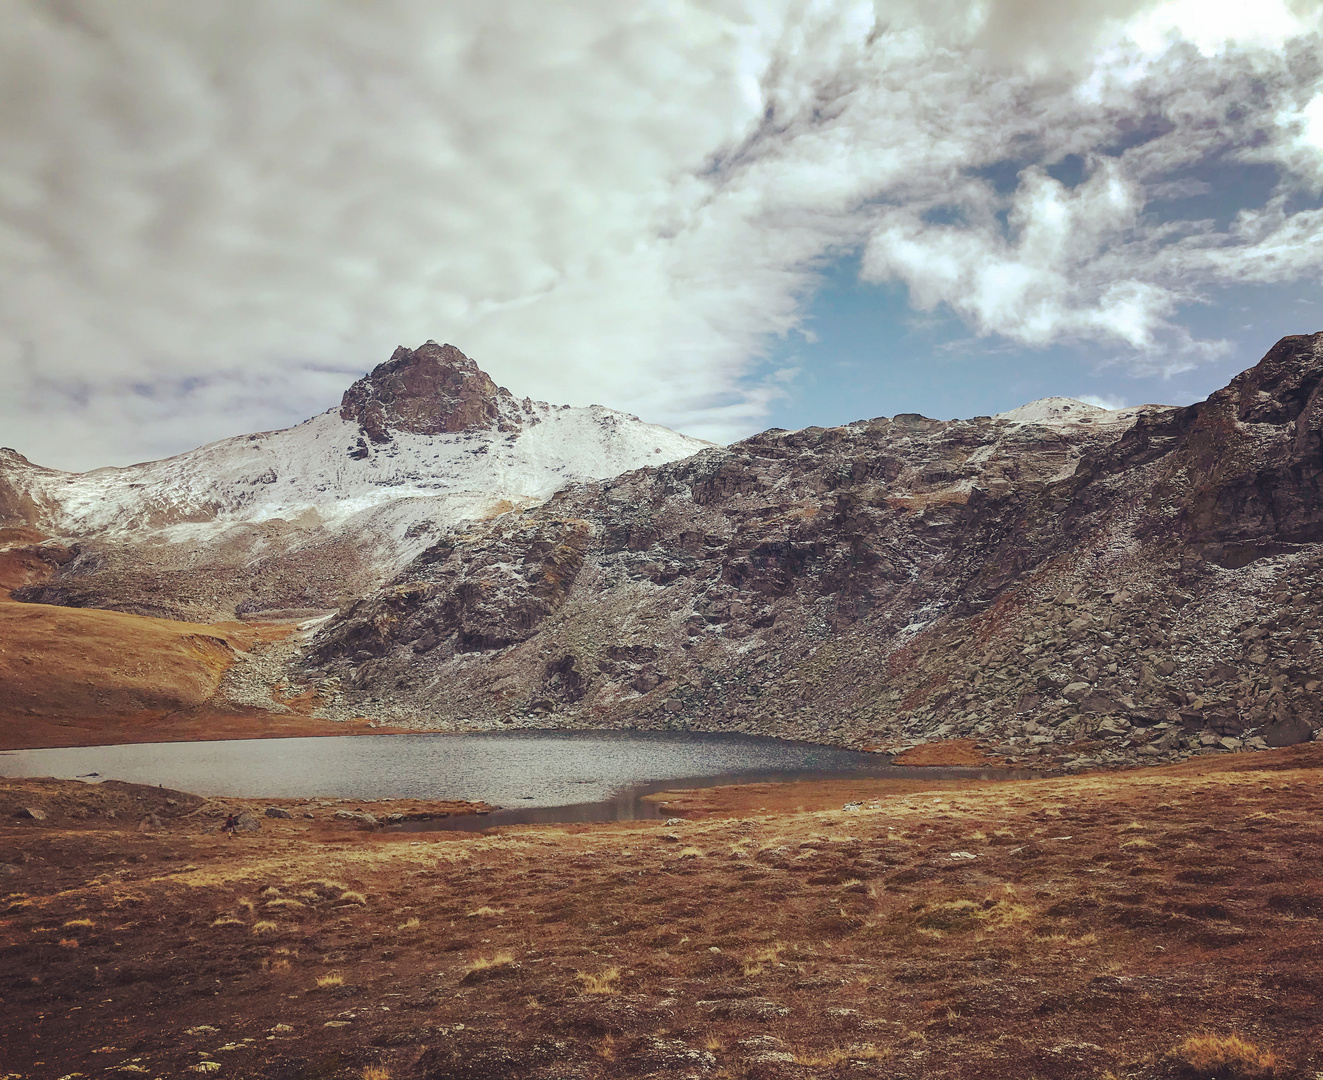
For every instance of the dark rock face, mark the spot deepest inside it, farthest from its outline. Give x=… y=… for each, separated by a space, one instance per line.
x=1134 y=593
x=1288 y=732
x=429 y=391
x=1253 y=458
x=465 y=598
x=16 y=506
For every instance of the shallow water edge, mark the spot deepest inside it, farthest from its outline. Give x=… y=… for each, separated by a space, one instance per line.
x=533 y=776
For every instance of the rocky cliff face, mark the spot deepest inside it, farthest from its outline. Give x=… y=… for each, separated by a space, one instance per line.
x=1063 y=583
x=18 y=508
x=432 y=390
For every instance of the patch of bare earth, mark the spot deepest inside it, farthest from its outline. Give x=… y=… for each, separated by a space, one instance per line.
x=1146 y=925
x=948 y=752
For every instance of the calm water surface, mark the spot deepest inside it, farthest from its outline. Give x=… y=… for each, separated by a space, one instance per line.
x=533 y=775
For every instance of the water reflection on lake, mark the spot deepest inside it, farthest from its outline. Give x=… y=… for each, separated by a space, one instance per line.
x=533 y=775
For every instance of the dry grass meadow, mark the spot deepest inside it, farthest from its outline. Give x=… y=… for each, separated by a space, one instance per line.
x=1150 y=925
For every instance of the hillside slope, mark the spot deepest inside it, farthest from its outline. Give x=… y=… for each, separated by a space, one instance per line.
x=1060 y=583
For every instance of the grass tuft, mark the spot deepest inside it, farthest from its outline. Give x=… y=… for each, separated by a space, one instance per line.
x=957 y=916
x=757 y=961
x=326 y=887
x=483 y=964
x=265 y=926
x=331 y=981
x=79 y=922
x=602 y=983
x=826 y=1059
x=1224 y=1057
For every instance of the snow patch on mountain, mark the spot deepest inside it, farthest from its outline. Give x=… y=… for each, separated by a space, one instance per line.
x=316 y=474
x=1059 y=411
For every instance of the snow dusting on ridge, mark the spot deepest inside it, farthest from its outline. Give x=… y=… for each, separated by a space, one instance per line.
x=307 y=475
x=1057 y=411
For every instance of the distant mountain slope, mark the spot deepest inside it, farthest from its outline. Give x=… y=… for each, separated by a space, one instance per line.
x=306 y=518
x=1060 y=580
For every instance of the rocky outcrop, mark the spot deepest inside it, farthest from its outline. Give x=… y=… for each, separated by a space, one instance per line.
x=18 y=508
x=466 y=598
x=27 y=558
x=1079 y=590
x=431 y=390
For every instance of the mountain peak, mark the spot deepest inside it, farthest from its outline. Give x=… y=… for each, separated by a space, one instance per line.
x=1050 y=409
x=428 y=390
x=1056 y=412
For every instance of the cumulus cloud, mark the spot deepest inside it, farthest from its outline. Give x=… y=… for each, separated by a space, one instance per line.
x=212 y=218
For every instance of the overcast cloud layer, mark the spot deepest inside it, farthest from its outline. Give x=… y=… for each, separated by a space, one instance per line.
x=213 y=217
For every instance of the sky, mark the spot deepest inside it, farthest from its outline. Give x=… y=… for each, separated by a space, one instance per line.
x=720 y=216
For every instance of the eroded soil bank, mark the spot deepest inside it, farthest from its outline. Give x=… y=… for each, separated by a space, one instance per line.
x=1072 y=927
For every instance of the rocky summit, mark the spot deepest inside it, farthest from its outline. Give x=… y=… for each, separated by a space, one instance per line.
x=432 y=390
x=1067 y=585
x=1062 y=584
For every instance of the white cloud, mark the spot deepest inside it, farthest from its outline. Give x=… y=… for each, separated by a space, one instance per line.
x=1033 y=279
x=1300 y=138
x=1103 y=401
x=212 y=218
x=1214 y=25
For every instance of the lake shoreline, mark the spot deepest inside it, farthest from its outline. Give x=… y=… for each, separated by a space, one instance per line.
x=538 y=777
x=208 y=727
x=20 y=732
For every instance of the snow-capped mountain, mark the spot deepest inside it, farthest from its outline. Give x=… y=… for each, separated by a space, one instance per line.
x=1058 y=411
x=423 y=443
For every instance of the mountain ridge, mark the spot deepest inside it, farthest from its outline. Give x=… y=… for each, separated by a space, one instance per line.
x=1076 y=593
x=354 y=493
x=1065 y=584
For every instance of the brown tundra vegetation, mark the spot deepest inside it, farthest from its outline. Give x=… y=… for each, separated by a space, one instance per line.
x=1151 y=925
